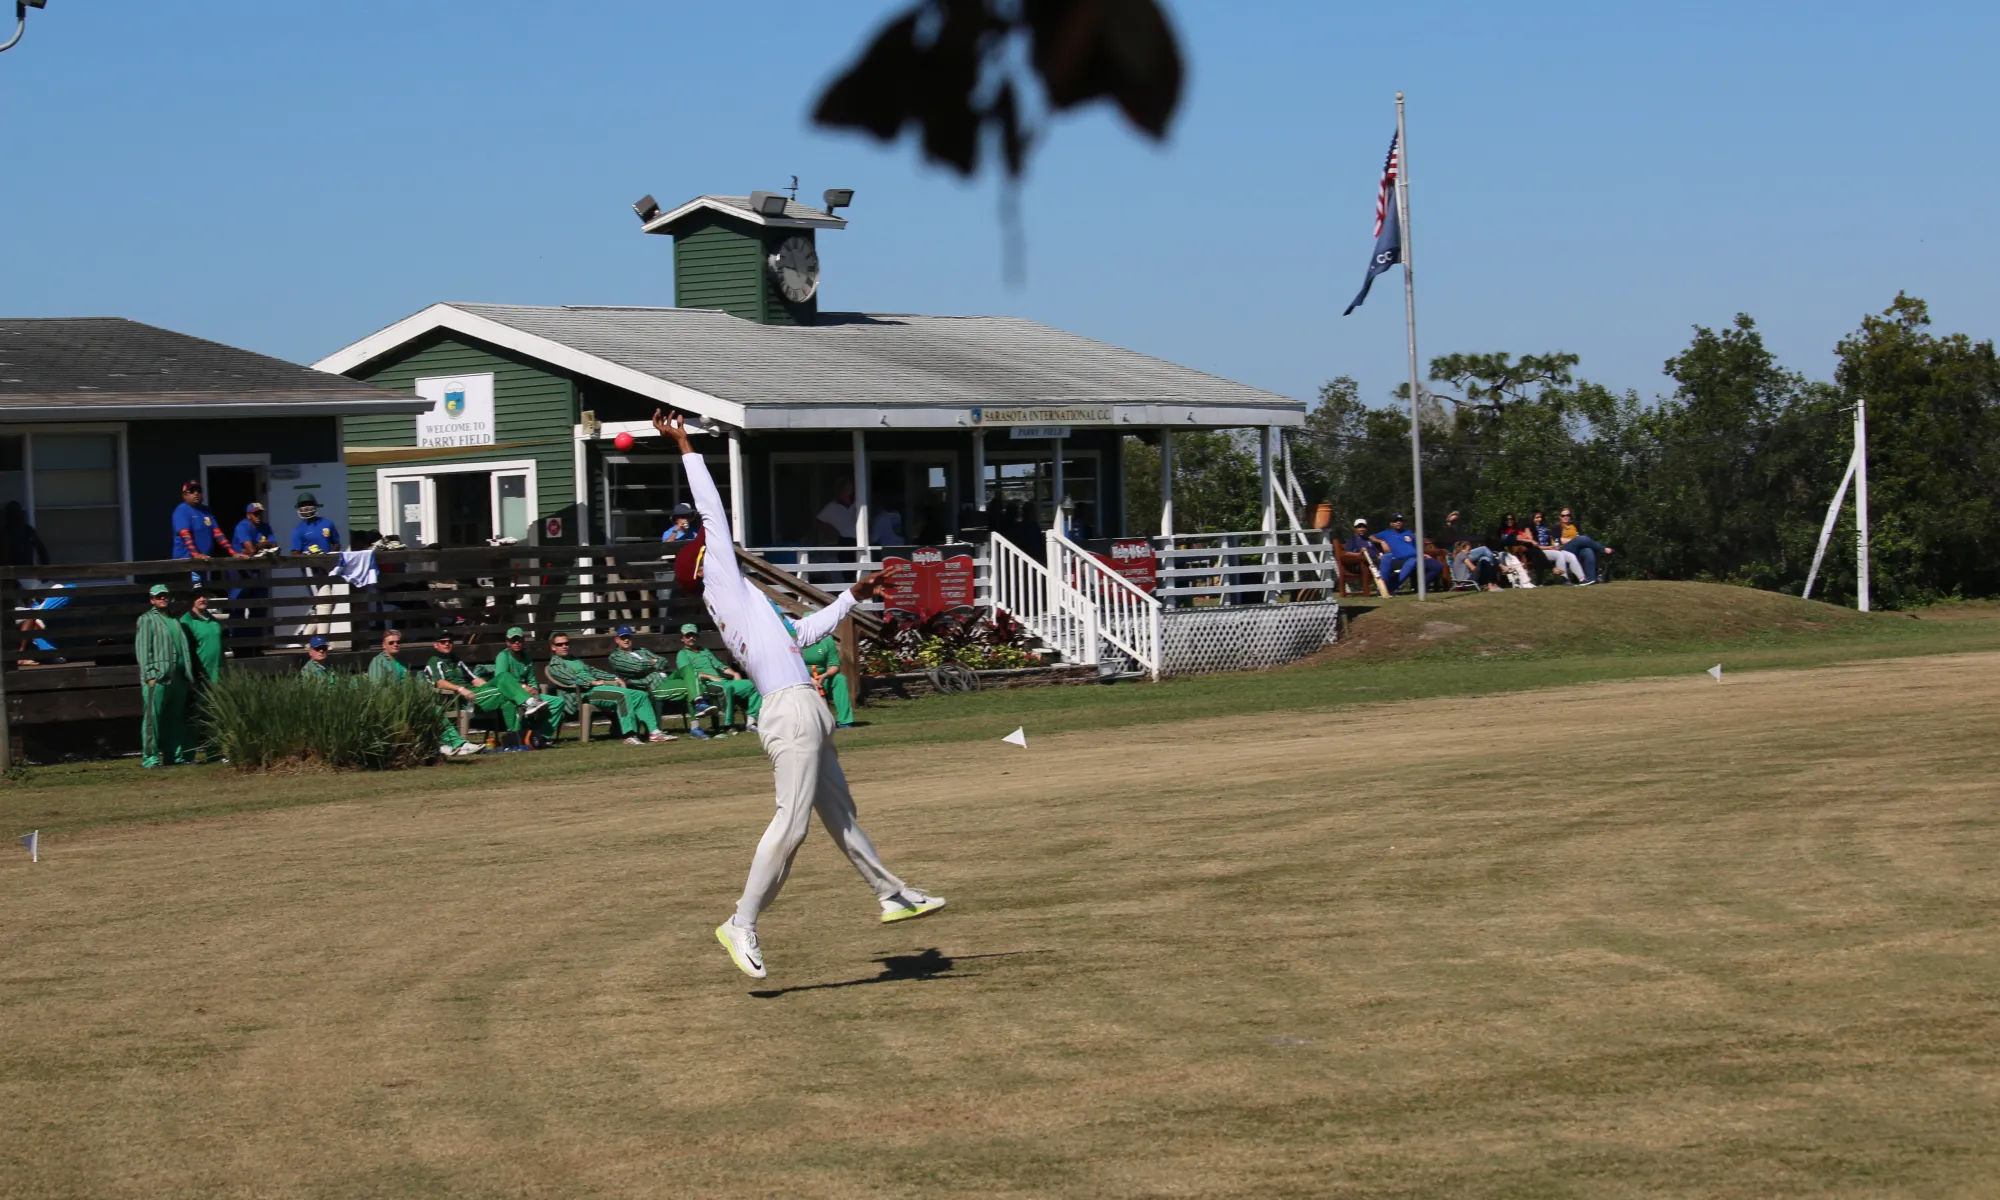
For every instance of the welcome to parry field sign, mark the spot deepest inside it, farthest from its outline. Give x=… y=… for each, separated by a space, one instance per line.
x=461 y=412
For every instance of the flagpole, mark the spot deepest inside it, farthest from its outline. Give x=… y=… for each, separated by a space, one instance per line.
x=1861 y=500
x=1410 y=321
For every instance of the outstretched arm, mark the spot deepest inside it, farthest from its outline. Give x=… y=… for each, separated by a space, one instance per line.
x=814 y=626
x=719 y=564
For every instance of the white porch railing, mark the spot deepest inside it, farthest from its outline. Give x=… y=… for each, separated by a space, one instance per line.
x=1124 y=615
x=1248 y=567
x=1051 y=609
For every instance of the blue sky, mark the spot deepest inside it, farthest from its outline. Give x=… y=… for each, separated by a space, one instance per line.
x=1587 y=177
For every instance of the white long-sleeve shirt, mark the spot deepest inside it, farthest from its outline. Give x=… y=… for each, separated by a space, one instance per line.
x=749 y=626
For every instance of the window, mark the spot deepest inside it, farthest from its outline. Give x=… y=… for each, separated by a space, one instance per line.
x=510 y=504
x=1027 y=481
x=460 y=505
x=406 y=511
x=68 y=484
x=912 y=498
x=641 y=490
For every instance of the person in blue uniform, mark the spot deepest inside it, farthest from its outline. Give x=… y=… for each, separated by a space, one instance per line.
x=252 y=536
x=313 y=534
x=1402 y=551
x=196 y=534
x=316 y=535
x=253 y=533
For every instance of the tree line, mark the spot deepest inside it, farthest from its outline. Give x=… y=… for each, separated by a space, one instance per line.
x=1726 y=479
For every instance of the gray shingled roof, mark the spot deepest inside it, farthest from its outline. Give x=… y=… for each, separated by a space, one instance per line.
x=875 y=359
x=107 y=367
x=794 y=211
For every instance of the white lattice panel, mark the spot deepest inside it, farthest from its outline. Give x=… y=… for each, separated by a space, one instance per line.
x=1196 y=641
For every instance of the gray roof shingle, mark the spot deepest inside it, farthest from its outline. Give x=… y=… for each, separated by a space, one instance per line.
x=99 y=364
x=885 y=359
x=794 y=211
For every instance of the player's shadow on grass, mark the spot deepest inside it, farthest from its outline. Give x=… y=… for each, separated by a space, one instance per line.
x=896 y=968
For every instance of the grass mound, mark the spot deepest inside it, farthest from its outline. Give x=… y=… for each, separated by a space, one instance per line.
x=1626 y=617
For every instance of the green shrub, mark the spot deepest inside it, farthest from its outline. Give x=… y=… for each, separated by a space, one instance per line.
x=266 y=722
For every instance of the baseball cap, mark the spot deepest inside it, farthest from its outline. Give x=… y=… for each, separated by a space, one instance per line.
x=516 y=632
x=683 y=509
x=253 y=506
x=690 y=627
x=159 y=589
x=1397 y=517
x=687 y=560
x=192 y=485
x=1360 y=523
x=308 y=498
x=622 y=631
x=444 y=635
x=315 y=642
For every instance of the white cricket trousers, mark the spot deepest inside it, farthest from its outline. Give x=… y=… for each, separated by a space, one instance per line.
x=798 y=738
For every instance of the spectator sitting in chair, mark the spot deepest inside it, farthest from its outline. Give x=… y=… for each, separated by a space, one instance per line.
x=387 y=669
x=1400 y=556
x=665 y=682
x=1585 y=548
x=315 y=667
x=1480 y=564
x=1362 y=543
x=718 y=679
x=1565 y=563
x=513 y=672
x=453 y=678
x=602 y=689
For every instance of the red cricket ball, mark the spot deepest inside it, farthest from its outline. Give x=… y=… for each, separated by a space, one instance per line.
x=623 y=441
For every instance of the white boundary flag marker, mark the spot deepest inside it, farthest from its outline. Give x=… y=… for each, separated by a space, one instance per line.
x=33 y=841
x=1018 y=738
x=1715 y=672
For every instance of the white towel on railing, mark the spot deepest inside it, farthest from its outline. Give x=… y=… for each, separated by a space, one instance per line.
x=357 y=567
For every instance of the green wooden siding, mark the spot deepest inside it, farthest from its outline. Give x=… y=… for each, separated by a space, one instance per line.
x=531 y=404
x=719 y=264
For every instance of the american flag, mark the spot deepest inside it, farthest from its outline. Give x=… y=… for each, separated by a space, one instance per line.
x=1388 y=186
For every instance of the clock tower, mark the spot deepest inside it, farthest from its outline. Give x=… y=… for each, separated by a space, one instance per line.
x=752 y=256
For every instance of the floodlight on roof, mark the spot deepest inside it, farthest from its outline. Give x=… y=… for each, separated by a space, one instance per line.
x=646 y=207
x=838 y=198
x=769 y=204
x=21 y=8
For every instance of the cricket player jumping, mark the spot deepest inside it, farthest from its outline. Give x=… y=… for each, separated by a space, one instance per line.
x=796 y=728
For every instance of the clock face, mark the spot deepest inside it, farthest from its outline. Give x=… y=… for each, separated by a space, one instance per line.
x=795 y=269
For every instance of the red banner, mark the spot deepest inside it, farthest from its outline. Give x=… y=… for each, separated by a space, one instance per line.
x=1134 y=559
x=934 y=584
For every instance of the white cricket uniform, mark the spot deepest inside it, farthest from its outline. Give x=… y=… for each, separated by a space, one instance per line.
x=794 y=724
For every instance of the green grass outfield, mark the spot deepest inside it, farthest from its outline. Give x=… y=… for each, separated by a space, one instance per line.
x=1467 y=644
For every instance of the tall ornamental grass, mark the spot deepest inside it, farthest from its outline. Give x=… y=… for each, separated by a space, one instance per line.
x=267 y=722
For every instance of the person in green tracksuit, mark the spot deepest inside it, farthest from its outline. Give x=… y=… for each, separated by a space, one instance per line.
x=513 y=673
x=204 y=634
x=385 y=668
x=724 y=681
x=453 y=678
x=605 y=690
x=486 y=694
x=639 y=667
x=316 y=668
x=823 y=659
x=165 y=673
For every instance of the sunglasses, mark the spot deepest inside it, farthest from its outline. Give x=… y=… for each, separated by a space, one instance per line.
x=559 y=645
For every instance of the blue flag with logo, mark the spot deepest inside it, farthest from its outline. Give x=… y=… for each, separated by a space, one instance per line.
x=1388 y=252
